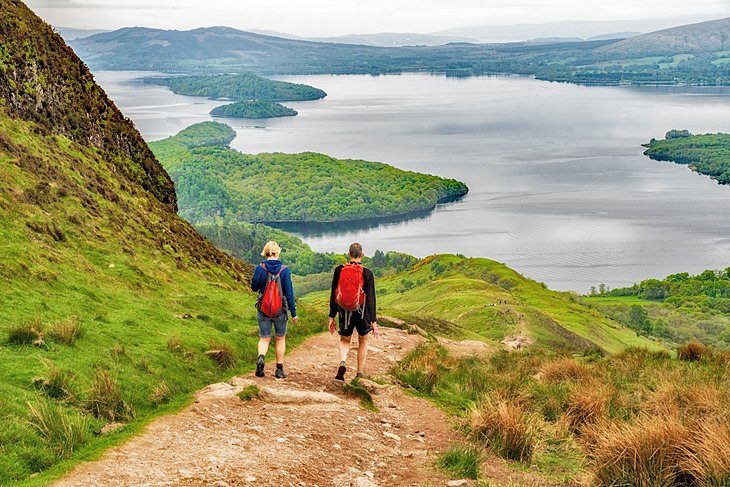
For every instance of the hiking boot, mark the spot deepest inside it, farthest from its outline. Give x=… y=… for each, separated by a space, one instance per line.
x=341 y=373
x=280 y=374
x=260 y=366
x=360 y=375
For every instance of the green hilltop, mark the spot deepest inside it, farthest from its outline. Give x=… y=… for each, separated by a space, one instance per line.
x=479 y=299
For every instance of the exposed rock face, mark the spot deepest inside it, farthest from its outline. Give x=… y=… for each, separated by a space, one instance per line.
x=43 y=81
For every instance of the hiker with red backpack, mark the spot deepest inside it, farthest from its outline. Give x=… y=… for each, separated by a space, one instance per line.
x=272 y=280
x=353 y=298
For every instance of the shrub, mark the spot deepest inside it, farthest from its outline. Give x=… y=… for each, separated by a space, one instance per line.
x=505 y=426
x=66 y=332
x=62 y=431
x=105 y=399
x=461 y=461
x=693 y=351
x=222 y=353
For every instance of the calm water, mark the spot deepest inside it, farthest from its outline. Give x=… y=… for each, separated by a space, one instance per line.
x=559 y=188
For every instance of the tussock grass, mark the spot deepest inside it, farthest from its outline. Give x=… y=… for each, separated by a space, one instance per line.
x=461 y=461
x=505 y=426
x=354 y=389
x=223 y=353
x=105 y=399
x=66 y=332
x=28 y=333
x=638 y=418
x=56 y=383
x=563 y=369
x=62 y=430
x=424 y=367
x=161 y=393
x=249 y=393
x=693 y=351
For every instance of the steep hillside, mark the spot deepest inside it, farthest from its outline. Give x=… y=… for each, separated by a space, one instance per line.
x=110 y=301
x=702 y=38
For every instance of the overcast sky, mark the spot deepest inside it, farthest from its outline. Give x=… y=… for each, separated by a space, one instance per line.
x=337 y=17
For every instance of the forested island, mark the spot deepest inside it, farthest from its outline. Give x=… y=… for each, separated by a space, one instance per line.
x=217 y=182
x=708 y=154
x=253 y=109
x=239 y=87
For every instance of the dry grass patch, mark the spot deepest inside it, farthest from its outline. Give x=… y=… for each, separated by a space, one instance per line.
x=56 y=383
x=563 y=369
x=29 y=333
x=693 y=351
x=505 y=426
x=707 y=456
x=105 y=398
x=690 y=400
x=66 y=332
x=160 y=393
x=588 y=404
x=62 y=431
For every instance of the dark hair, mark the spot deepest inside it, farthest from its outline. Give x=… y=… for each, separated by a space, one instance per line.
x=355 y=250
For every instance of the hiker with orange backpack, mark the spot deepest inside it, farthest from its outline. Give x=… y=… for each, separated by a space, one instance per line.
x=353 y=298
x=272 y=280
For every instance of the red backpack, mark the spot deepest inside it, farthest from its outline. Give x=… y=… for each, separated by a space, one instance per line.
x=271 y=300
x=349 y=294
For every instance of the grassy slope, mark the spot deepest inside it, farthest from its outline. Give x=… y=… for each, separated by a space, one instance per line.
x=459 y=297
x=119 y=268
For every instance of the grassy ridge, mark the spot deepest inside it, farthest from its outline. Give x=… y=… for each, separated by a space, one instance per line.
x=219 y=183
x=481 y=299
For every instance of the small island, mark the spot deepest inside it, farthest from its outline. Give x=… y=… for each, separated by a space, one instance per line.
x=253 y=109
x=239 y=87
x=215 y=183
x=708 y=154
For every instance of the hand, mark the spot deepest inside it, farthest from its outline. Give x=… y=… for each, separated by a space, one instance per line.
x=376 y=330
x=294 y=320
x=332 y=326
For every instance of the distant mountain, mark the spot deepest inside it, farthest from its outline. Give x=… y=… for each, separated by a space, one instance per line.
x=614 y=35
x=70 y=33
x=702 y=38
x=581 y=29
x=390 y=39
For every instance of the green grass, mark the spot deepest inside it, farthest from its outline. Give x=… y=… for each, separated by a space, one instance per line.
x=461 y=461
x=249 y=393
x=466 y=298
x=114 y=302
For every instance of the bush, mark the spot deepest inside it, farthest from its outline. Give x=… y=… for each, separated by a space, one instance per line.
x=505 y=426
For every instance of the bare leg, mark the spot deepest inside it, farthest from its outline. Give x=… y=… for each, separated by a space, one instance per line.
x=362 y=353
x=344 y=347
x=280 y=349
x=264 y=345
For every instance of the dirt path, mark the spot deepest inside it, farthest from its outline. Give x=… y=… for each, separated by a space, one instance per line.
x=221 y=440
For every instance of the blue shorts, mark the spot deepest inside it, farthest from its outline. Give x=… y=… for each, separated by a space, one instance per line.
x=277 y=322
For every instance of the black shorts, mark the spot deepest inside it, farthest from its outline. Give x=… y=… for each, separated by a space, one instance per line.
x=362 y=326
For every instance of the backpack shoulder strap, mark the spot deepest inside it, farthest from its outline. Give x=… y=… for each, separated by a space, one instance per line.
x=281 y=270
